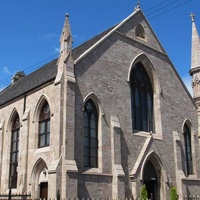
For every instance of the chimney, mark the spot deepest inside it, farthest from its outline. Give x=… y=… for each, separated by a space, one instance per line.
x=17 y=76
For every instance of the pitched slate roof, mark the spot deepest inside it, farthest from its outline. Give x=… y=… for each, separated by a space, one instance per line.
x=29 y=82
x=76 y=52
x=44 y=74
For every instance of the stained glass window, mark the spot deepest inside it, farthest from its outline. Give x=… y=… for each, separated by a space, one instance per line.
x=139 y=32
x=188 y=151
x=44 y=126
x=90 y=134
x=14 y=150
x=141 y=99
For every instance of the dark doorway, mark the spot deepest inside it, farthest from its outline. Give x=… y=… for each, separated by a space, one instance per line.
x=44 y=190
x=150 y=179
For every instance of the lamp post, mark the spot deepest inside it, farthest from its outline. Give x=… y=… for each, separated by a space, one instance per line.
x=10 y=190
x=9 y=193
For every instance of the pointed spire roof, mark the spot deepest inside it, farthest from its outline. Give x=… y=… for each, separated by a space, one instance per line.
x=66 y=38
x=195 y=57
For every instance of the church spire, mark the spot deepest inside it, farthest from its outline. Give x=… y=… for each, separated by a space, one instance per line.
x=195 y=57
x=65 y=61
x=195 y=62
x=66 y=38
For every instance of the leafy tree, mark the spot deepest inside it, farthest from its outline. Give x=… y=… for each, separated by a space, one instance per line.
x=143 y=193
x=173 y=194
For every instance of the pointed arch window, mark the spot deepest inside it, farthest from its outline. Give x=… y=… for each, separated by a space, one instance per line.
x=141 y=99
x=139 y=32
x=14 y=150
x=90 y=134
x=188 y=150
x=44 y=126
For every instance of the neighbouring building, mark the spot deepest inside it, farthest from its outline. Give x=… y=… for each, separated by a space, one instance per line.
x=103 y=119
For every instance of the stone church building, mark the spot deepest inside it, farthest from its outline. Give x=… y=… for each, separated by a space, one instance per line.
x=103 y=119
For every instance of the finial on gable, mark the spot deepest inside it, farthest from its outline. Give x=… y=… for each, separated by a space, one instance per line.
x=138 y=6
x=192 y=16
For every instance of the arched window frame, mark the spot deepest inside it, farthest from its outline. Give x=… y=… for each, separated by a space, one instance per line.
x=14 y=151
x=90 y=116
x=188 y=149
x=39 y=174
x=141 y=99
x=139 y=32
x=44 y=125
x=157 y=95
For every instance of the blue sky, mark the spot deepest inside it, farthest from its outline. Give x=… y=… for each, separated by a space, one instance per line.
x=30 y=30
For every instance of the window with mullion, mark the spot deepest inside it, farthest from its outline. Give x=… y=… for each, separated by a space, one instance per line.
x=44 y=126
x=44 y=133
x=188 y=150
x=14 y=150
x=90 y=135
x=141 y=99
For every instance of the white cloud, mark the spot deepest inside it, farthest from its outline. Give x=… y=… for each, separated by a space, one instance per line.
x=75 y=36
x=7 y=71
x=78 y=37
x=188 y=83
x=48 y=36
x=51 y=36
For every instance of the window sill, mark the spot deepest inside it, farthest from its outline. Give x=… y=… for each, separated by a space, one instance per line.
x=13 y=190
x=145 y=134
x=92 y=171
x=42 y=150
x=95 y=171
x=192 y=177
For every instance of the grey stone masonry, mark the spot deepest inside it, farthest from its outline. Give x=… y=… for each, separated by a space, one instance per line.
x=101 y=70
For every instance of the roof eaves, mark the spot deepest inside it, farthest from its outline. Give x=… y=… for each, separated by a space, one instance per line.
x=27 y=91
x=29 y=82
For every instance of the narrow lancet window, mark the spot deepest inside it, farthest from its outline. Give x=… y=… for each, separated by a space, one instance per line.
x=14 y=150
x=44 y=126
x=141 y=99
x=90 y=134
x=188 y=150
x=139 y=32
